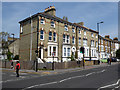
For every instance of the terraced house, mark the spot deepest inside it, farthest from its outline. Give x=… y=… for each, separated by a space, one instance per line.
x=53 y=36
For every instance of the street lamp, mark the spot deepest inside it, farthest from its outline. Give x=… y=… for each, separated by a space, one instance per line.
x=13 y=44
x=98 y=38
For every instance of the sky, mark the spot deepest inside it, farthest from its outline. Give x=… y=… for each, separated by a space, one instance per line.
x=88 y=12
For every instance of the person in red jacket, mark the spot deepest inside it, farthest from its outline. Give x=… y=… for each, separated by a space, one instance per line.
x=17 y=68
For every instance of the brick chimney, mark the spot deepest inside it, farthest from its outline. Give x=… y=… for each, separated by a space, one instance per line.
x=50 y=10
x=107 y=36
x=81 y=23
x=116 y=39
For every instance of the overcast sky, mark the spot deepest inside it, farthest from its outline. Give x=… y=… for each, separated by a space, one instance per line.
x=88 y=12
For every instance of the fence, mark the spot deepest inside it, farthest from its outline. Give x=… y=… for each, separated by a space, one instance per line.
x=57 y=65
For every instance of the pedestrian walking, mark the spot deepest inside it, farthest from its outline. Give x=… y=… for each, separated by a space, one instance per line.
x=17 y=68
x=110 y=61
x=11 y=64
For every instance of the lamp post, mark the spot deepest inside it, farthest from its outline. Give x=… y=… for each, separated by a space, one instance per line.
x=98 y=38
x=13 y=44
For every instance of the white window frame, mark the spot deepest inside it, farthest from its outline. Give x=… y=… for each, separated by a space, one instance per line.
x=96 y=44
x=84 y=32
x=66 y=27
x=67 y=53
x=42 y=34
x=73 y=39
x=79 y=31
x=50 y=36
x=73 y=30
x=79 y=41
x=67 y=38
x=85 y=42
x=52 y=50
x=96 y=36
x=42 y=22
x=54 y=37
x=53 y=24
x=92 y=35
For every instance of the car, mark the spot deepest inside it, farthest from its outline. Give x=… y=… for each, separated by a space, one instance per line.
x=118 y=60
x=104 y=60
x=113 y=59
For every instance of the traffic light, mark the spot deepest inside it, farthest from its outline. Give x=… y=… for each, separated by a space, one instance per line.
x=82 y=50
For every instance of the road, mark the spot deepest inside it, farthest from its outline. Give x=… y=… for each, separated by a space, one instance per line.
x=97 y=78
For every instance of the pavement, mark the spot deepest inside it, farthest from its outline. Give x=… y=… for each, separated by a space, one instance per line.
x=96 y=76
x=57 y=71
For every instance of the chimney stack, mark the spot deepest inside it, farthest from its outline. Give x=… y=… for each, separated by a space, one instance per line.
x=116 y=39
x=50 y=10
x=81 y=23
x=107 y=36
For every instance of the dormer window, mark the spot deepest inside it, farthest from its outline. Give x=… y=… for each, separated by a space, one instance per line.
x=52 y=24
x=66 y=28
x=42 y=21
x=73 y=30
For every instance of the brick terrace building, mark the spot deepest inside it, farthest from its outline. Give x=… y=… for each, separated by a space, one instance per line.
x=55 y=35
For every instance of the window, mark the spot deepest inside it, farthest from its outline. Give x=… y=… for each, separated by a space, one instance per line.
x=101 y=41
x=92 y=43
x=96 y=36
x=96 y=44
x=79 y=31
x=50 y=35
x=92 y=35
x=64 y=38
x=54 y=51
x=87 y=52
x=42 y=21
x=67 y=38
x=52 y=24
x=73 y=30
x=41 y=34
x=85 y=42
x=64 y=51
x=50 y=51
x=84 y=32
x=68 y=50
x=66 y=28
x=54 y=36
x=73 y=40
x=79 y=41
x=21 y=29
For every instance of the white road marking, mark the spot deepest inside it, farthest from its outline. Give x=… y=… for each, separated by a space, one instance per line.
x=110 y=85
x=63 y=80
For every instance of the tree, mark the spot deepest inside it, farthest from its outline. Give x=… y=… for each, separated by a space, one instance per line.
x=118 y=53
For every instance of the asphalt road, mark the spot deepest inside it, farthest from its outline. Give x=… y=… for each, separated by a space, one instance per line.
x=97 y=78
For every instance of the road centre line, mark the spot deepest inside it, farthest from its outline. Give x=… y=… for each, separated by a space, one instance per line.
x=62 y=80
x=110 y=85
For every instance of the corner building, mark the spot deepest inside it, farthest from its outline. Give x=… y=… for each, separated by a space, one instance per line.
x=55 y=35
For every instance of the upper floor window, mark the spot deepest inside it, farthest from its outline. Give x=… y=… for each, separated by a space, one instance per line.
x=73 y=30
x=54 y=36
x=68 y=39
x=66 y=28
x=92 y=35
x=42 y=21
x=50 y=35
x=85 y=42
x=101 y=41
x=84 y=32
x=73 y=40
x=79 y=31
x=41 y=34
x=92 y=43
x=52 y=24
x=96 y=36
x=64 y=38
x=96 y=43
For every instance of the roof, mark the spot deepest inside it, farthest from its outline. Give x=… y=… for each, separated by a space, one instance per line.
x=42 y=14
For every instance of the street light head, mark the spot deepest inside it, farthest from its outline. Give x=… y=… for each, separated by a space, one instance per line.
x=101 y=22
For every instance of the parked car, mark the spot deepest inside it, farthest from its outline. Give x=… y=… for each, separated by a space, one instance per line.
x=104 y=60
x=113 y=59
x=118 y=59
